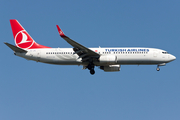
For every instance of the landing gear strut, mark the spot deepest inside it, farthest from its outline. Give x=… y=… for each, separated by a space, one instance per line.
x=158 y=69
x=91 y=68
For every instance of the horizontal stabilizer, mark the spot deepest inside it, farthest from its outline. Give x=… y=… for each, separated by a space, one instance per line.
x=14 y=48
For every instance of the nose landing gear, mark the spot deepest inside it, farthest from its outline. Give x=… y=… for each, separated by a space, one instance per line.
x=162 y=64
x=158 y=69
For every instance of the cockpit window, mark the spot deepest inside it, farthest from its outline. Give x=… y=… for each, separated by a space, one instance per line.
x=165 y=52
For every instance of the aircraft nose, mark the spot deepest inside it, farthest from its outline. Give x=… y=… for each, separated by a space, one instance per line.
x=173 y=57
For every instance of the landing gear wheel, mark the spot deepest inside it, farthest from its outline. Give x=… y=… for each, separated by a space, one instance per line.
x=91 y=68
x=158 y=69
x=92 y=72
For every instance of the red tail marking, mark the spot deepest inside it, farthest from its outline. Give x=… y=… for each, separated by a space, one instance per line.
x=22 y=38
x=60 y=31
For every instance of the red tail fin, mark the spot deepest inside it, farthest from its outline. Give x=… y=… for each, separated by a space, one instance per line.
x=22 y=38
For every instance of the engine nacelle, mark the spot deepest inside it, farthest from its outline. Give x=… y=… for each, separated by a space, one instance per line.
x=110 y=68
x=108 y=59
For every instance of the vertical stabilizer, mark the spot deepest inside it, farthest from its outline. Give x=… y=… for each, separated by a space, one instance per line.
x=22 y=38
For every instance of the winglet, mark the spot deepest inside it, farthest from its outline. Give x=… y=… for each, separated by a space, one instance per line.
x=60 y=31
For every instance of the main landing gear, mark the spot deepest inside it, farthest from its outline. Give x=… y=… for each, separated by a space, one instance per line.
x=91 y=68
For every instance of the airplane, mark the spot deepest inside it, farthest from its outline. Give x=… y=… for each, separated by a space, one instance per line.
x=107 y=59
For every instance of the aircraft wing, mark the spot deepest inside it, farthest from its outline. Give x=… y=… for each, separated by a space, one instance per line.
x=82 y=51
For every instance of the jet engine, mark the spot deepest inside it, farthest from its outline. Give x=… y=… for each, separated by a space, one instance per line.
x=108 y=59
x=110 y=68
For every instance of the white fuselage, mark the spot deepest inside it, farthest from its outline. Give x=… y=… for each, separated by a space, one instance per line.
x=108 y=59
x=120 y=56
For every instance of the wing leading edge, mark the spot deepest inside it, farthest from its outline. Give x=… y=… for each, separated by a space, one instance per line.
x=82 y=51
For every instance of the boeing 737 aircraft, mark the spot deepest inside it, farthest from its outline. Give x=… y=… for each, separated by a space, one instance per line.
x=108 y=59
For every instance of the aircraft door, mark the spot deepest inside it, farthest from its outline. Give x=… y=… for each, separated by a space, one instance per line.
x=38 y=55
x=155 y=53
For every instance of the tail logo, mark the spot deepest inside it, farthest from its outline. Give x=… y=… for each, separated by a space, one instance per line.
x=23 y=40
